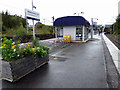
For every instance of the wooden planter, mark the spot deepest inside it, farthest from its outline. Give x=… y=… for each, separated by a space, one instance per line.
x=14 y=70
x=41 y=61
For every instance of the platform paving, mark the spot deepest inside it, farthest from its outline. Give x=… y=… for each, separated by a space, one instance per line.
x=80 y=65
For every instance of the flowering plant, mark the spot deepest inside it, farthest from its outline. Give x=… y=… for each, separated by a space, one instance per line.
x=13 y=50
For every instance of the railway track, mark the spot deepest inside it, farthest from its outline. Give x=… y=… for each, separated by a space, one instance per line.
x=114 y=39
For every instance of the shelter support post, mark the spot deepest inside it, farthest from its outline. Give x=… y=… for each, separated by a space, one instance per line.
x=83 y=33
x=55 y=32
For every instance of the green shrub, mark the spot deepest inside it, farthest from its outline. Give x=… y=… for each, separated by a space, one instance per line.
x=4 y=28
x=10 y=49
x=14 y=51
x=21 y=34
x=35 y=42
x=10 y=32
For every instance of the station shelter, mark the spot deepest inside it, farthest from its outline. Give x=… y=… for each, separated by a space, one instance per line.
x=75 y=26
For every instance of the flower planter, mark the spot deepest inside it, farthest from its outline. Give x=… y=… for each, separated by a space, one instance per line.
x=14 y=70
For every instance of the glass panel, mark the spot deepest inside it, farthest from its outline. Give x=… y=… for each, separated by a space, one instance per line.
x=78 y=32
x=60 y=31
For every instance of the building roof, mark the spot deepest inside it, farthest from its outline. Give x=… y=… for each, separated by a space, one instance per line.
x=71 y=21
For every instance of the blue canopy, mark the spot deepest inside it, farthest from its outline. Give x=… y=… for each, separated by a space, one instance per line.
x=71 y=21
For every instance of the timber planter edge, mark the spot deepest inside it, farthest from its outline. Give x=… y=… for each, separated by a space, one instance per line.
x=14 y=70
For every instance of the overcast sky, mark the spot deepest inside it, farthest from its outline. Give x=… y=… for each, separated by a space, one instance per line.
x=105 y=10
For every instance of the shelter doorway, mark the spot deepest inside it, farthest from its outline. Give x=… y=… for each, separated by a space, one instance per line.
x=78 y=32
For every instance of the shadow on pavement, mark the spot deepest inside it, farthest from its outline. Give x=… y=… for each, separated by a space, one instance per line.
x=30 y=79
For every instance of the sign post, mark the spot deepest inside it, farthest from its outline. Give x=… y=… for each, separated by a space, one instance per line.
x=34 y=16
x=33 y=24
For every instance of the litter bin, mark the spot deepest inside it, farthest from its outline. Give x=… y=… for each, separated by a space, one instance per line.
x=67 y=38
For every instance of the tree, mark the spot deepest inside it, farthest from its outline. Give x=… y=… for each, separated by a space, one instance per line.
x=117 y=26
x=11 y=22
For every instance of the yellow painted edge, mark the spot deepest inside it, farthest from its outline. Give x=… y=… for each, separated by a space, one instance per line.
x=77 y=41
x=81 y=41
x=87 y=40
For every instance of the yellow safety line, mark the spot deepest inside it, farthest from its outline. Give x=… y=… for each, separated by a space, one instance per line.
x=81 y=41
x=0 y=78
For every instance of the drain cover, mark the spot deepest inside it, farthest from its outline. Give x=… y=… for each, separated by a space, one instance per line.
x=55 y=58
x=58 y=58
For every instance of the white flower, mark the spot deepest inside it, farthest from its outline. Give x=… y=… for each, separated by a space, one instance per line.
x=38 y=48
x=22 y=44
x=14 y=50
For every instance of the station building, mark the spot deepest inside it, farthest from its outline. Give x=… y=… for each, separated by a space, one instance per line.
x=75 y=26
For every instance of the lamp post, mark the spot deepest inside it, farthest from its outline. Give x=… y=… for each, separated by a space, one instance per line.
x=79 y=13
x=92 y=27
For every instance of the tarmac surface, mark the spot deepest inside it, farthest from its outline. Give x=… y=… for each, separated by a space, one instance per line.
x=81 y=65
x=113 y=77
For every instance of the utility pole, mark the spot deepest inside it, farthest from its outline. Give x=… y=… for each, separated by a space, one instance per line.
x=33 y=24
x=53 y=24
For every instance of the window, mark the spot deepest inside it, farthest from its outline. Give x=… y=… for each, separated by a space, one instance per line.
x=78 y=31
x=60 y=31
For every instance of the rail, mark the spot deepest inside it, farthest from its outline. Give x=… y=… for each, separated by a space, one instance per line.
x=114 y=39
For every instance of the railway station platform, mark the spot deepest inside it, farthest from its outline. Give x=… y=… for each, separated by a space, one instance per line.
x=79 y=65
x=114 y=52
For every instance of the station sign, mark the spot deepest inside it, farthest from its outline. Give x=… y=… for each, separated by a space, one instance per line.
x=32 y=15
x=94 y=23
